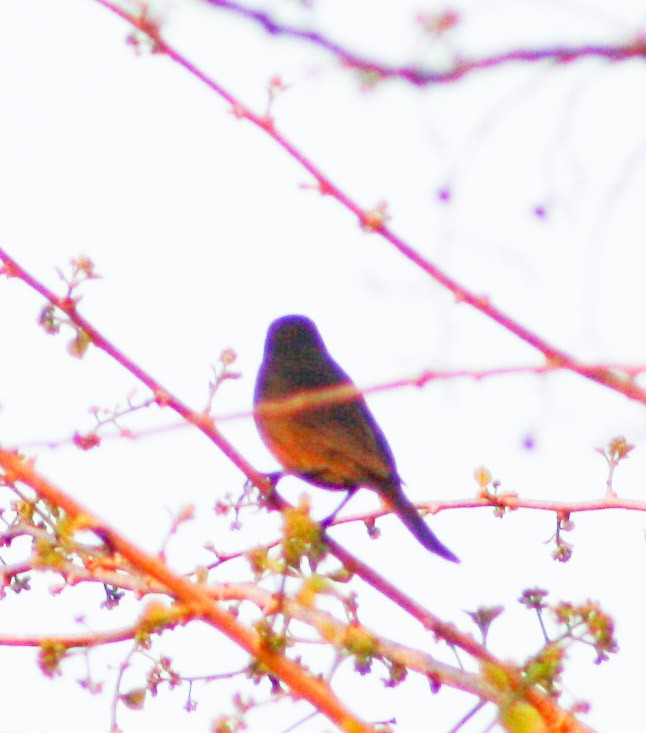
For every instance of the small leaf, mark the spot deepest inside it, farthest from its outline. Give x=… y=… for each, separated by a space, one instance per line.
x=134 y=700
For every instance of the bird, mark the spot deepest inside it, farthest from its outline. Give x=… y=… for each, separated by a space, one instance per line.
x=334 y=445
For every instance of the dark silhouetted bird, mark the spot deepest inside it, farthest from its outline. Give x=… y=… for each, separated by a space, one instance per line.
x=334 y=445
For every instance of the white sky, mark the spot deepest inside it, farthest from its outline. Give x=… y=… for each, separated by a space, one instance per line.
x=203 y=234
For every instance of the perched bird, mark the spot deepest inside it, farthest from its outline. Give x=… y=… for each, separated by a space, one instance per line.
x=334 y=445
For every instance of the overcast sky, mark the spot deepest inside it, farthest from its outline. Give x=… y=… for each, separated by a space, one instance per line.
x=204 y=231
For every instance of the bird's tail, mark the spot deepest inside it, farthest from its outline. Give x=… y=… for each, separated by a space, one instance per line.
x=409 y=515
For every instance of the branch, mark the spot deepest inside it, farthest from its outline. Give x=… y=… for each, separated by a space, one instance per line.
x=375 y=221
x=459 y=69
x=340 y=635
x=72 y=642
x=511 y=501
x=197 y=601
x=323 y=396
x=206 y=425
x=330 y=629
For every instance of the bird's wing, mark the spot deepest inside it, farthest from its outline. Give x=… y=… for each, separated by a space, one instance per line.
x=346 y=445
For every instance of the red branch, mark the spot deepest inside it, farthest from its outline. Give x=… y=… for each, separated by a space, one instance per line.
x=375 y=221
x=460 y=68
x=205 y=424
x=72 y=642
x=510 y=501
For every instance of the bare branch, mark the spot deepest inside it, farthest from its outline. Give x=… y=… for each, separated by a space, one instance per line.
x=375 y=221
x=460 y=67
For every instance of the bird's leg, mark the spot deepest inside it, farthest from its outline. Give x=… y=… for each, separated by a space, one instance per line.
x=328 y=520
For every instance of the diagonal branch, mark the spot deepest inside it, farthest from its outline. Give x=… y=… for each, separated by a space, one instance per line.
x=196 y=599
x=206 y=425
x=375 y=221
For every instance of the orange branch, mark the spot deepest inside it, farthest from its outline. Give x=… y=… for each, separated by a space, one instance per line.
x=206 y=425
x=198 y=602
